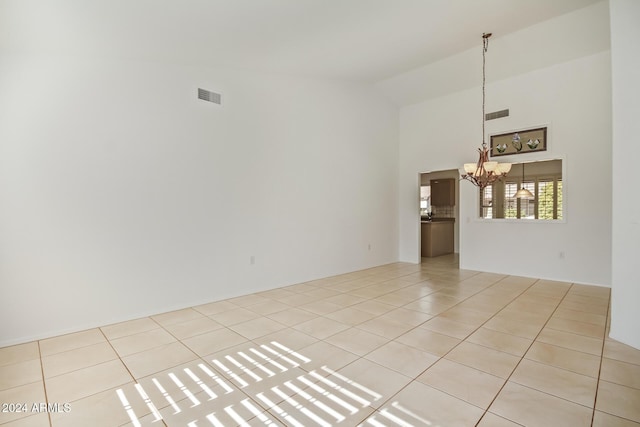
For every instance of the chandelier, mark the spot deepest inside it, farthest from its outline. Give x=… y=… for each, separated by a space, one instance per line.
x=523 y=193
x=484 y=172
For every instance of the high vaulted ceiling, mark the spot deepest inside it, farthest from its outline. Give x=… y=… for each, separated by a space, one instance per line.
x=364 y=40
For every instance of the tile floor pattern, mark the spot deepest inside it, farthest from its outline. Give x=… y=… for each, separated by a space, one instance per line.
x=400 y=344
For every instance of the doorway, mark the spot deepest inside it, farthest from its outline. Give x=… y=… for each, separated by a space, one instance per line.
x=439 y=213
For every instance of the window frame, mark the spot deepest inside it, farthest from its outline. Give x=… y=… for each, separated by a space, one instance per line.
x=496 y=207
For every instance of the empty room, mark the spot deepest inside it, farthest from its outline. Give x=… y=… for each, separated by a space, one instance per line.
x=319 y=213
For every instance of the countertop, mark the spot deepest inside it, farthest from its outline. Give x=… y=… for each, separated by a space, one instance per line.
x=438 y=220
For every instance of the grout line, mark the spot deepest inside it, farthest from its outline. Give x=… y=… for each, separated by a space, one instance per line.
x=478 y=328
x=486 y=321
x=129 y=371
x=461 y=341
x=525 y=353
x=604 y=341
x=358 y=357
x=459 y=302
x=395 y=275
x=44 y=383
x=117 y=354
x=366 y=299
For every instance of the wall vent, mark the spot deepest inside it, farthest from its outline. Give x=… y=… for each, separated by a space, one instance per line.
x=497 y=114
x=207 y=95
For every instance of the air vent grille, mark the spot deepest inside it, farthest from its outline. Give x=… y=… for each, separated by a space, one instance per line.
x=207 y=95
x=497 y=114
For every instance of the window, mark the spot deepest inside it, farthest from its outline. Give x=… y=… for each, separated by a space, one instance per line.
x=527 y=207
x=425 y=200
x=510 y=203
x=559 y=198
x=543 y=180
x=486 y=203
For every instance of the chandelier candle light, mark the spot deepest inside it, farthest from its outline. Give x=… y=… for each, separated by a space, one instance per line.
x=484 y=172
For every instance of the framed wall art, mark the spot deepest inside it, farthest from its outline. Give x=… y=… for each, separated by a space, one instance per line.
x=524 y=141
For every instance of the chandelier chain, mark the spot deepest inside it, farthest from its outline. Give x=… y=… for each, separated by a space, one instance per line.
x=485 y=46
x=484 y=172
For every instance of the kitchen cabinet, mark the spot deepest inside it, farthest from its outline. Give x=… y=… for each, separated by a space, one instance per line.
x=443 y=192
x=437 y=238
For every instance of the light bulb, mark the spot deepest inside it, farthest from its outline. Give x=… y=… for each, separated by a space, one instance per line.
x=490 y=166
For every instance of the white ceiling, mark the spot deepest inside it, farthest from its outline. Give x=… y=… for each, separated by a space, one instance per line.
x=365 y=40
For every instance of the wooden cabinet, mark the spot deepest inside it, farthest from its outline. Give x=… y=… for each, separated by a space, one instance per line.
x=443 y=192
x=437 y=238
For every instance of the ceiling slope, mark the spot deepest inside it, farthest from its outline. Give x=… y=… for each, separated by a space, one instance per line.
x=362 y=40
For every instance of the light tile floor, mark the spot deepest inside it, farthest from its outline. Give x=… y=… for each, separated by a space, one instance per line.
x=401 y=344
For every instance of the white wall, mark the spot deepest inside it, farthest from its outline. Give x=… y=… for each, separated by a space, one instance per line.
x=625 y=62
x=573 y=99
x=122 y=195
